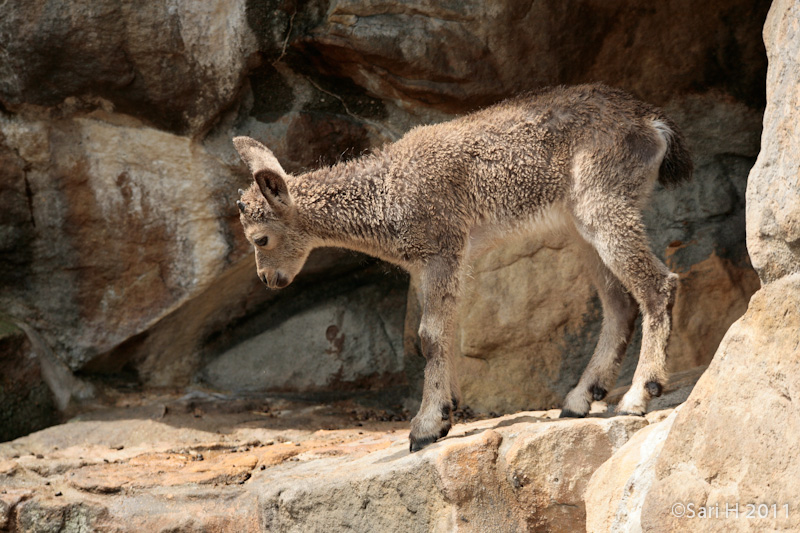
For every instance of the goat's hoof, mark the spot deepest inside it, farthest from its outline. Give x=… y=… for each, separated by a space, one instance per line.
x=416 y=443
x=598 y=392
x=567 y=413
x=634 y=403
x=654 y=388
x=628 y=413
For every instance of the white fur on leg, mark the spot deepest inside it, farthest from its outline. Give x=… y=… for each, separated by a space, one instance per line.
x=428 y=423
x=427 y=427
x=635 y=401
x=578 y=402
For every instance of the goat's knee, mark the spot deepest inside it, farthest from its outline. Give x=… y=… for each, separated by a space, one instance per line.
x=430 y=343
x=659 y=298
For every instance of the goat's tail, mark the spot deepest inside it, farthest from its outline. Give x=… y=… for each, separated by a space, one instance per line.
x=677 y=166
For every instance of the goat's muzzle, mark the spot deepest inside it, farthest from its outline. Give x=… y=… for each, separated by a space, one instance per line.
x=279 y=282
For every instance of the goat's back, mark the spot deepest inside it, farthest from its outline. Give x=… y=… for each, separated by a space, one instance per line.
x=513 y=159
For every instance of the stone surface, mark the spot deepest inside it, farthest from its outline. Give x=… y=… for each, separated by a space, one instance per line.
x=176 y=65
x=495 y=49
x=490 y=477
x=27 y=402
x=773 y=191
x=202 y=462
x=712 y=294
x=725 y=464
x=129 y=224
x=349 y=341
x=616 y=491
x=520 y=303
x=731 y=442
x=552 y=467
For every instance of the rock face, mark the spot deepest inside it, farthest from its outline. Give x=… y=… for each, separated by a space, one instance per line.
x=108 y=237
x=27 y=402
x=773 y=212
x=702 y=462
x=352 y=340
x=396 y=49
x=520 y=476
x=724 y=465
x=533 y=294
x=119 y=242
x=175 y=65
x=615 y=493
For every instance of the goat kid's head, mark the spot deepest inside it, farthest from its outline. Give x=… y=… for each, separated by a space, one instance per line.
x=269 y=217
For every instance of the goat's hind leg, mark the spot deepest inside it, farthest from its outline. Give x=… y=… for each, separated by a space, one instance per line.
x=618 y=235
x=619 y=315
x=440 y=392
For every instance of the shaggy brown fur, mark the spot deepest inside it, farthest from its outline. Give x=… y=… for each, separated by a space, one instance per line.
x=582 y=158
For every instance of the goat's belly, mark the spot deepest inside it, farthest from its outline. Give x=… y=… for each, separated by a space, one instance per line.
x=488 y=235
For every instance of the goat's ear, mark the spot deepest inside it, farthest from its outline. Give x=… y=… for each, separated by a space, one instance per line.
x=274 y=189
x=268 y=173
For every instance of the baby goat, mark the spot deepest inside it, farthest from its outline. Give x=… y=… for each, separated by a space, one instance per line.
x=585 y=156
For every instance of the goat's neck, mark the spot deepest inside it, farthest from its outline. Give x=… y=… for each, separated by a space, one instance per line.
x=345 y=205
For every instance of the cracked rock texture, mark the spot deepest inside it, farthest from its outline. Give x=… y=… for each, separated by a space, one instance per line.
x=122 y=259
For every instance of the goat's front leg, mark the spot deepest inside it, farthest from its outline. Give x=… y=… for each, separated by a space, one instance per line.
x=440 y=393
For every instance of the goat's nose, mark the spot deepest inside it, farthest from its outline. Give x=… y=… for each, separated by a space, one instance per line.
x=281 y=281
x=263 y=277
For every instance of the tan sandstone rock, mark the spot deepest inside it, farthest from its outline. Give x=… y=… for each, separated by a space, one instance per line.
x=551 y=466
x=616 y=491
x=128 y=231
x=734 y=440
x=207 y=465
x=527 y=45
x=516 y=473
x=727 y=462
x=773 y=202
x=730 y=450
x=712 y=294
x=519 y=304
x=173 y=64
x=350 y=339
x=27 y=403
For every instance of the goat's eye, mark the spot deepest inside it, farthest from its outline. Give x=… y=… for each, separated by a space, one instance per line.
x=262 y=241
